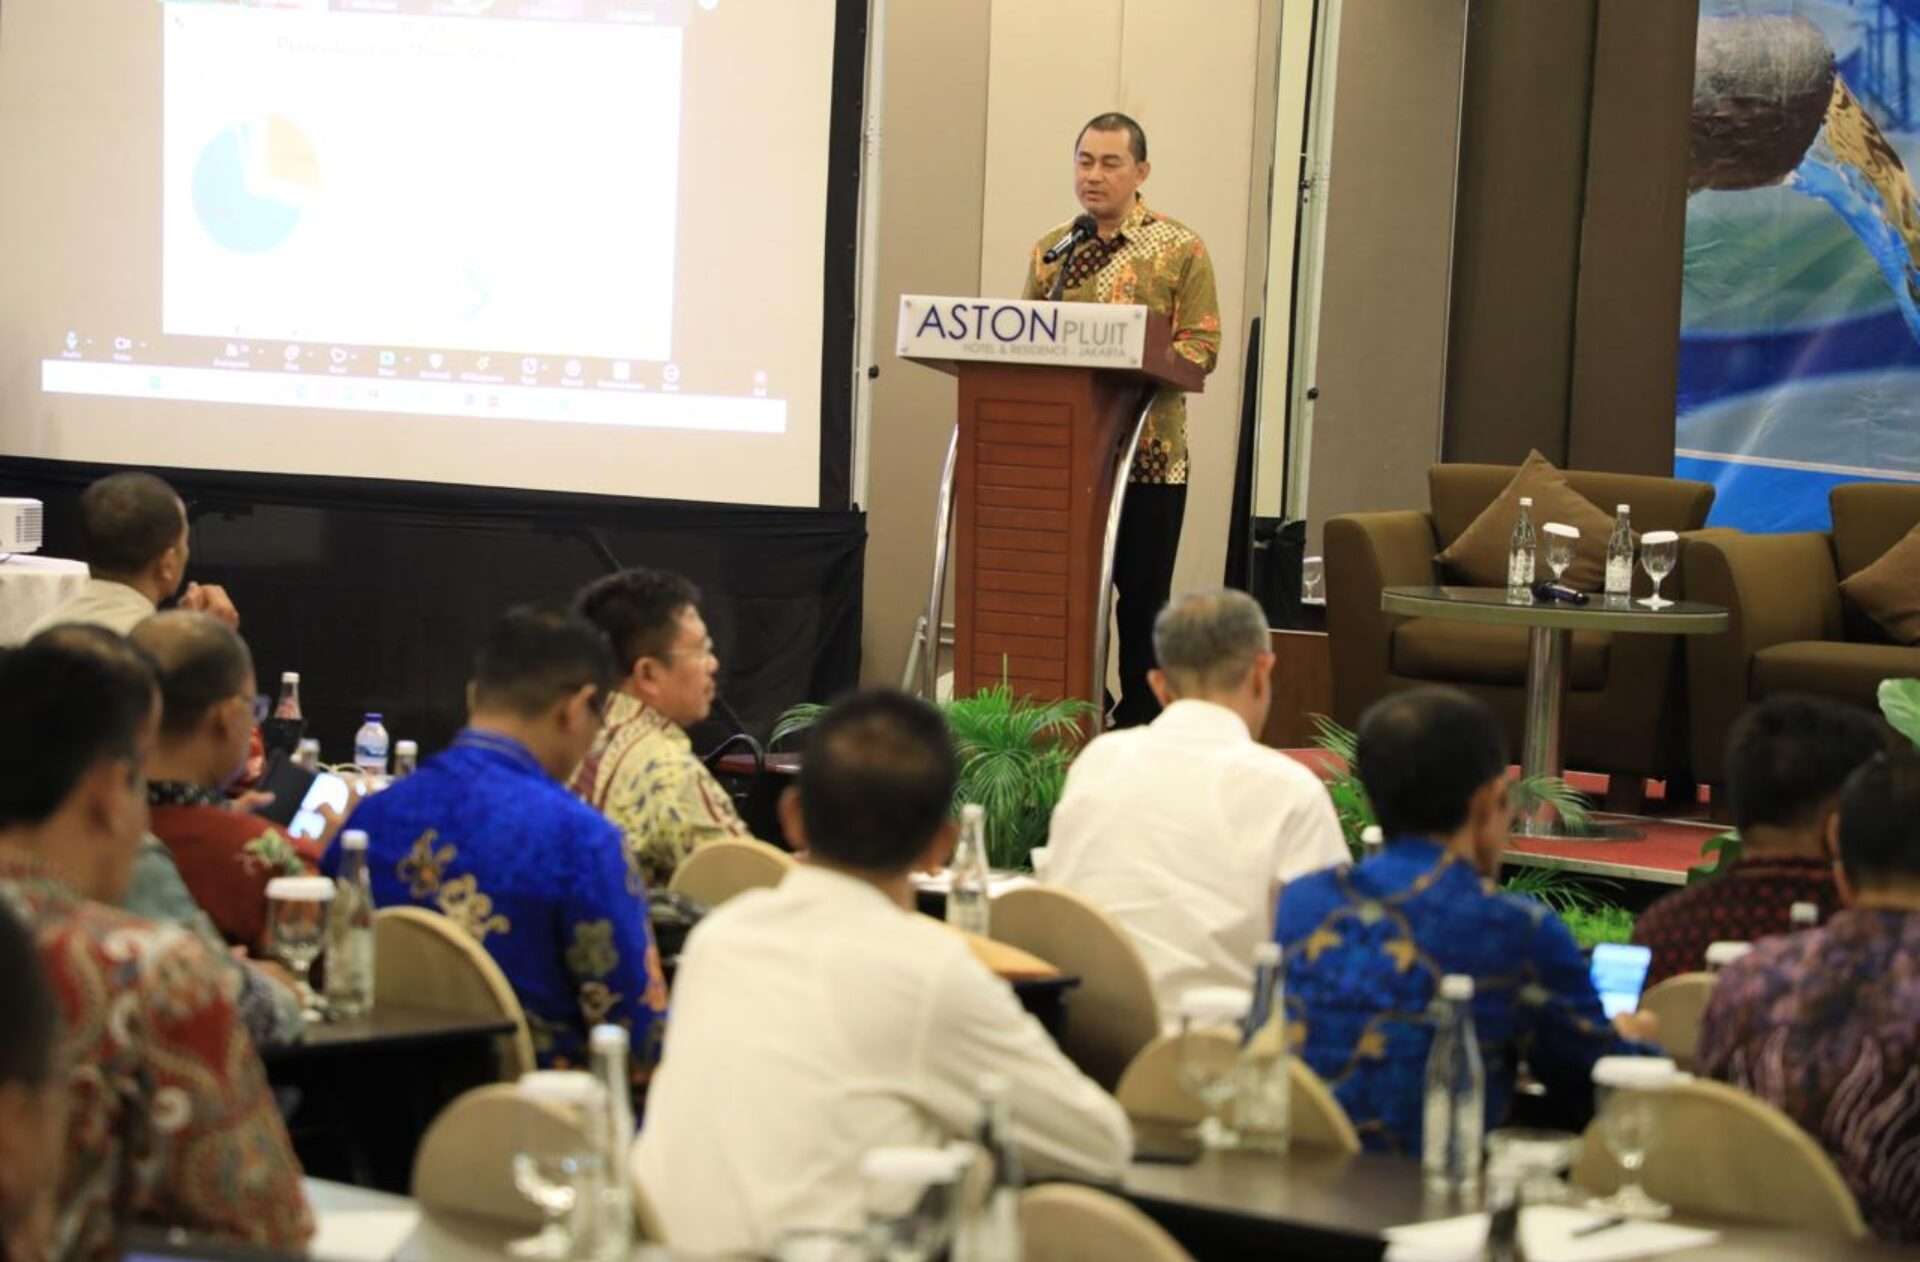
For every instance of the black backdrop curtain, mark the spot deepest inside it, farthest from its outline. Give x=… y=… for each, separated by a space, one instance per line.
x=378 y=593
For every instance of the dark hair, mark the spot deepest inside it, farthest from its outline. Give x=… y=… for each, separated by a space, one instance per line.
x=1114 y=121
x=26 y=1054
x=533 y=658
x=1880 y=820
x=1788 y=757
x=70 y=698
x=877 y=781
x=127 y=520
x=200 y=662
x=638 y=610
x=1423 y=754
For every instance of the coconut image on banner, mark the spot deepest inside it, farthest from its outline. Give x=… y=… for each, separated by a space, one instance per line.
x=1800 y=324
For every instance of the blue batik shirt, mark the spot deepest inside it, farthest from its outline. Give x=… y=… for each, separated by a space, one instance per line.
x=1365 y=950
x=482 y=834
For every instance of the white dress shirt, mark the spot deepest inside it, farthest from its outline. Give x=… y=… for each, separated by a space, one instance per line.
x=820 y=1020
x=101 y=603
x=1180 y=830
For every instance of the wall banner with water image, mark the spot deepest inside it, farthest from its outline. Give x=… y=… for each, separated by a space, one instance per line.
x=1800 y=327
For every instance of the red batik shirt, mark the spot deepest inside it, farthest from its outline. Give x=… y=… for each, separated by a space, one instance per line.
x=1751 y=901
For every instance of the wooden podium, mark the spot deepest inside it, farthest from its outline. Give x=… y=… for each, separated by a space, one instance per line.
x=1036 y=458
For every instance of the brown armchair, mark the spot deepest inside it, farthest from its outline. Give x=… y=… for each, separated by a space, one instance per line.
x=1620 y=713
x=1791 y=630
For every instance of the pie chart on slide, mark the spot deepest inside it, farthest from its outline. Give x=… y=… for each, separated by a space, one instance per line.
x=253 y=182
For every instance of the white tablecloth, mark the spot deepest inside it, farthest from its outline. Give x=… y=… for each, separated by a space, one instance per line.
x=30 y=586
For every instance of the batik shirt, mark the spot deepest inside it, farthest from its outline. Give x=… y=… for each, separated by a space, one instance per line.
x=170 y=1117
x=482 y=834
x=642 y=774
x=1752 y=900
x=1161 y=264
x=226 y=856
x=1366 y=948
x=1825 y=1026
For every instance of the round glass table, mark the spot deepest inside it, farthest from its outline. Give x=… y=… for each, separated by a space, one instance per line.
x=1550 y=627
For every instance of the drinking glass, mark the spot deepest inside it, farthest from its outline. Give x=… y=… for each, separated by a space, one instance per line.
x=555 y=1162
x=1211 y=1018
x=1313 y=581
x=1629 y=1090
x=1560 y=540
x=911 y=1200
x=1535 y=1159
x=297 y=929
x=1658 y=552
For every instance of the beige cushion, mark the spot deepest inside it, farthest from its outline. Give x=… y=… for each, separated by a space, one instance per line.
x=1479 y=556
x=1444 y=651
x=1888 y=591
x=1831 y=668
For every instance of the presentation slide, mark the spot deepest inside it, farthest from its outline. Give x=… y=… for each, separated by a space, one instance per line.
x=573 y=245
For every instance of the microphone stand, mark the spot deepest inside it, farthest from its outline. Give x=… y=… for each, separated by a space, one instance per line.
x=1060 y=277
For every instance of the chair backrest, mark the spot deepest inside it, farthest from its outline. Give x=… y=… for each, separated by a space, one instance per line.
x=647 y=1226
x=1459 y=493
x=1868 y=519
x=1062 y=1222
x=1679 y=1002
x=1722 y=1153
x=1112 y=1013
x=424 y=960
x=1150 y=1090
x=464 y=1164
x=718 y=870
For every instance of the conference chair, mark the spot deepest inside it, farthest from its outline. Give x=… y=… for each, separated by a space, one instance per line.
x=647 y=1227
x=718 y=870
x=1063 y=1222
x=1721 y=1153
x=465 y=1161
x=1679 y=1002
x=1113 y=1012
x=1150 y=1091
x=424 y=960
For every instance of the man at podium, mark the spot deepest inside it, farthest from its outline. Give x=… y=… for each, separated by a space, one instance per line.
x=1137 y=255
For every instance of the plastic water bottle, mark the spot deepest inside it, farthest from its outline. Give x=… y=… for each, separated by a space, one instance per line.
x=1522 y=548
x=350 y=932
x=993 y=1233
x=609 y=1047
x=288 y=707
x=308 y=754
x=1373 y=840
x=967 y=890
x=1456 y=1101
x=370 y=745
x=1804 y=916
x=1263 y=1096
x=406 y=758
x=1620 y=555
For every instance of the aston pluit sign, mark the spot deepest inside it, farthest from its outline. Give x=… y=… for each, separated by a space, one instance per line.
x=1013 y=331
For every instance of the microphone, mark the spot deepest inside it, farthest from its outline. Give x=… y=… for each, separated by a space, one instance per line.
x=1084 y=229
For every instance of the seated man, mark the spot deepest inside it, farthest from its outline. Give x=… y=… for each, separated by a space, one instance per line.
x=171 y=1121
x=1786 y=760
x=486 y=833
x=33 y=1098
x=642 y=772
x=1184 y=830
x=825 y=1018
x=225 y=855
x=1825 y=1025
x=133 y=529
x=1366 y=948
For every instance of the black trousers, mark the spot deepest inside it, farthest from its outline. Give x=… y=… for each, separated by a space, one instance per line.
x=1142 y=580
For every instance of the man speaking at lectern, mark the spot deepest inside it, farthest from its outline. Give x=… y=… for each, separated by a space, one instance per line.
x=1132 y=254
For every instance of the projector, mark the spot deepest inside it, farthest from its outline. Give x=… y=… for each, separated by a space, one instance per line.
x=19 y=525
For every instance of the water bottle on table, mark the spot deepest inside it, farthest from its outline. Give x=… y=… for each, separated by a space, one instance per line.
x=1620 y=555
x=1456 y=1107
x=609 y=1045
x=967 y=888
x=350 y=932
x=1263 y=1096
x=288 y=707
x=370 y=746
x=406 y=758
x=1522 y=549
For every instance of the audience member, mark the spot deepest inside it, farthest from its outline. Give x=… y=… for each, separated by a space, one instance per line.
x=1184 y=830
x=225 y=855
x=642 y=772
x=486 y=833
x=33 y=1099
x=1825 y=1024
x=1786 y=761
x=171 y=1121
x=825 y=1018
x=133 y=529
x=1366 y=948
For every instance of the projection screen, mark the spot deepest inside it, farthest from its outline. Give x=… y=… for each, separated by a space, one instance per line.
x=566 y=245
